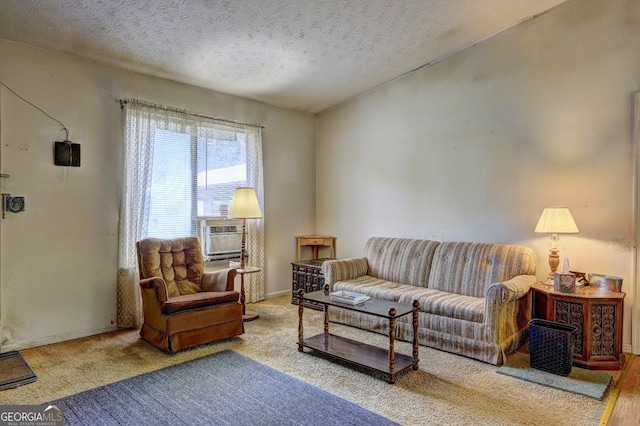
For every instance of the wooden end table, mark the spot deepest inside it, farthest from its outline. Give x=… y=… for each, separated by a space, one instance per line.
x=384 y=361
x=596 y=312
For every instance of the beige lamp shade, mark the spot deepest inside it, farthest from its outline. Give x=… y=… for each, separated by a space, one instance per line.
x=556 y=220
x=244 y=204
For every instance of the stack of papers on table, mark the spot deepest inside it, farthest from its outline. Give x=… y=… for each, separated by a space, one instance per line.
x=348 y=297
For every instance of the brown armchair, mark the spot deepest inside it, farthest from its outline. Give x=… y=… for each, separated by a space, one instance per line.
x=182 y=305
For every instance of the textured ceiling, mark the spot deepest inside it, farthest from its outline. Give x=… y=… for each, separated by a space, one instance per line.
x=306 y=55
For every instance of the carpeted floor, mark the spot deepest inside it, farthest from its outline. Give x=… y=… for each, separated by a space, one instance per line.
x=223 y=388
x=447 y=389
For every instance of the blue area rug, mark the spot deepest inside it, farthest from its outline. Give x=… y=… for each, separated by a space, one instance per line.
x=224 y=388
x=581 y=381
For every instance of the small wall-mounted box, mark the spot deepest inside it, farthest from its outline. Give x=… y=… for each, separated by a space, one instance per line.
x=66 y=153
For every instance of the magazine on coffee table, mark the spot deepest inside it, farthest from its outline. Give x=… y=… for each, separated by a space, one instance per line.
x=348 y=297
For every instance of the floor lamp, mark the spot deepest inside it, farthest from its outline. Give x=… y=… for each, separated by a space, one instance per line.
x=554 y=221
x=244 y=205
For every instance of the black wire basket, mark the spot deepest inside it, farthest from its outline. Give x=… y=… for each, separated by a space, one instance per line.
x=551 y=346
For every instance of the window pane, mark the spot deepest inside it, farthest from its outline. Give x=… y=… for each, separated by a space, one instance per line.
x=222 y=167
x=220 y=159
x=170 y=204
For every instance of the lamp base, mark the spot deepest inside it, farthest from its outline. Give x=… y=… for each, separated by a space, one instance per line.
x=250 y=315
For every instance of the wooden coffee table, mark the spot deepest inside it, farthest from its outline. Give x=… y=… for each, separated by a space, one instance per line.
x=385 y=361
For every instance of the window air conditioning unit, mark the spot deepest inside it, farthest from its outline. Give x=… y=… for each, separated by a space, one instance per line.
x=223 y=239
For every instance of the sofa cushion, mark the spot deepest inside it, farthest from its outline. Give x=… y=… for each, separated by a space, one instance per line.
x=470 y=268
x=400 y=260
x=378 y=288
x=458 y=306
x=431 y=301
x=198 y=300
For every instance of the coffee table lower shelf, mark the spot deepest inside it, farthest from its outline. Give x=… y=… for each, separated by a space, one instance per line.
x=358 y=353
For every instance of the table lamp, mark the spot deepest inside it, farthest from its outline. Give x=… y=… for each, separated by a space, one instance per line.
x=244 y=205
x=554 y=221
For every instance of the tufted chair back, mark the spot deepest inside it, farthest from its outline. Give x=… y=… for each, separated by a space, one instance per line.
x=178 y=261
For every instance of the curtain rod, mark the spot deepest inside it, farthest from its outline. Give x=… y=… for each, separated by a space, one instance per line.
x=123 y=102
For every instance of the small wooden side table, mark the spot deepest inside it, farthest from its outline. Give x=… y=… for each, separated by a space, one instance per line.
x=246 y=315
x=596 y=312
x=315 y=242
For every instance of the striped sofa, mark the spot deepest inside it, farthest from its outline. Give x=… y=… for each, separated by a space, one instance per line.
x=473 y=296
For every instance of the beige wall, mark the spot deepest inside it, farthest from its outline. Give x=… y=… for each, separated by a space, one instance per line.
x=58 y=258
x=474 y=147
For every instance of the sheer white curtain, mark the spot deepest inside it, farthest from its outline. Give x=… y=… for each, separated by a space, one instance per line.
x=141 y=122
x=254 y=283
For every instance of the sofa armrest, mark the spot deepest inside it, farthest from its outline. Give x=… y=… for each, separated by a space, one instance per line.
x=507 y=307
x=344 y=269
x=512 y=289
x=221 y=280
x=154 y=288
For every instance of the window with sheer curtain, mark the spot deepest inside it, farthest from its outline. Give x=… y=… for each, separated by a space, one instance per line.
x=194 y=175
x=179 y=166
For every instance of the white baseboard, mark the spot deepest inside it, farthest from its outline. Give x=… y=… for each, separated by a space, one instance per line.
x=26 y=344
x=278 y=294
x=626 y=348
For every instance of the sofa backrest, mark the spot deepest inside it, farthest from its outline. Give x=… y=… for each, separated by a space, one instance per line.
x=401 y=260
x=470 y=268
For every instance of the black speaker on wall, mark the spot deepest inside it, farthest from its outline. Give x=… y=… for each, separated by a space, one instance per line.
x=66 y=153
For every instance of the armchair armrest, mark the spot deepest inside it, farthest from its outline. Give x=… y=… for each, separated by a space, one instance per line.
x=221 y=280
x=154 y=295
x=344 y=269
x=507 y=307
x=154 y=286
